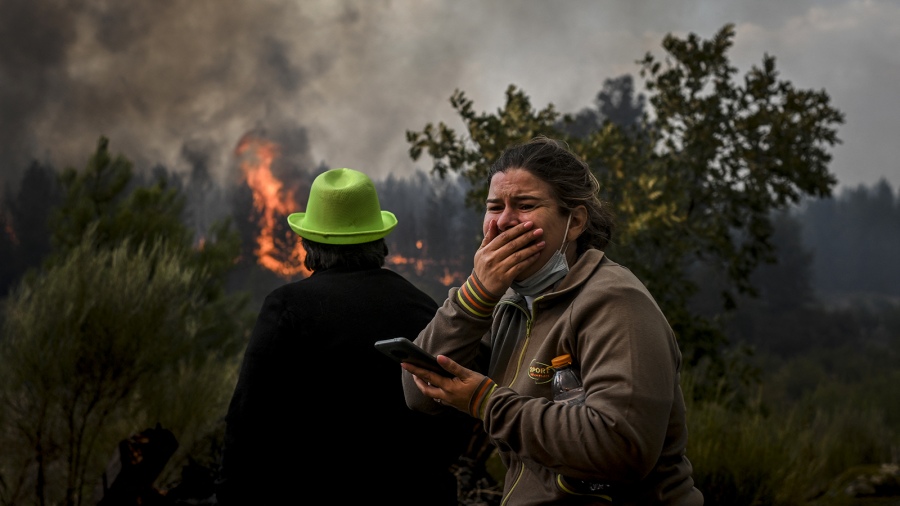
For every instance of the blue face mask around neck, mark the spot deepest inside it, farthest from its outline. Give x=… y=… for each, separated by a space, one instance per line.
x=555 y=269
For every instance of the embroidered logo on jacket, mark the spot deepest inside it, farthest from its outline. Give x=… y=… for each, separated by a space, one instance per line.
x=540 y=372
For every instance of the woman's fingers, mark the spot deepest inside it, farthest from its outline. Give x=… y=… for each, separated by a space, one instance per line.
x=517 y=243
x=455 y=391
x=507 y=254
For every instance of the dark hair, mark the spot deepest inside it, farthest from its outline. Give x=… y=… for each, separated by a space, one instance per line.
x=367 y=255
x=571 y=180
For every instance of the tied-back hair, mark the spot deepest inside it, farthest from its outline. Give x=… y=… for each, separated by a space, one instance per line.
x=571 y=180
x=368 y=255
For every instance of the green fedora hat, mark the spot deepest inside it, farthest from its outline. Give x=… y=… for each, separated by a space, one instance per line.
x=343 y=208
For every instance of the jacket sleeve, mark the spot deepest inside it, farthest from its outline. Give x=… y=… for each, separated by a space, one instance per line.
x=453 y=332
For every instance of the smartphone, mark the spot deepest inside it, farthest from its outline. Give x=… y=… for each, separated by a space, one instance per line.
x=402 y=349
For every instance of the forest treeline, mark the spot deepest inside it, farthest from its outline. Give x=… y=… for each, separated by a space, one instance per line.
x=128 y=295
x=837 y=252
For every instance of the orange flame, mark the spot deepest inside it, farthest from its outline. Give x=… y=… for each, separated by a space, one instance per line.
x=8 y=228
x=426 y=266
x=284 y=255
x=448 y=279
x=273 y=202
x=418 y=264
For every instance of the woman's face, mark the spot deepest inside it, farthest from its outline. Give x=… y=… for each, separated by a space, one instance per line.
x=516 y=196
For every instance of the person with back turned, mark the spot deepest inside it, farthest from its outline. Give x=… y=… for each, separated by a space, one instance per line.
x=318 y=414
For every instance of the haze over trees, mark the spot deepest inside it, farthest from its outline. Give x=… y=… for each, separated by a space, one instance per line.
x=856 y=243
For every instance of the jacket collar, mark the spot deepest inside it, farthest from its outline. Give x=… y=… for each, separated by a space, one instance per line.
x=584 y=266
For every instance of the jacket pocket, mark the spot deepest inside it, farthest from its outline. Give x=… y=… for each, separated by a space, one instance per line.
x=603 y=491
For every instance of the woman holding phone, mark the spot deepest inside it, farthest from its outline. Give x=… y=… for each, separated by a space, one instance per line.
x=541 y=287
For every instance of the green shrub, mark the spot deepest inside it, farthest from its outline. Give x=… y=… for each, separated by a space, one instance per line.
x=781 y=452
x=96 y=349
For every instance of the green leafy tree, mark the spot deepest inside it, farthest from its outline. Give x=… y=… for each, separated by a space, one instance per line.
x=615 y=102
x=106 y=197
x=127 y=325
x=693 y=183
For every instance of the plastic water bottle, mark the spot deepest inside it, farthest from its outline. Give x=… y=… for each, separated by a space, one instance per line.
x=567 y=389
x=566 y=385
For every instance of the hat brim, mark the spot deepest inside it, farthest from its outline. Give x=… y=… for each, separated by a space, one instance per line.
x=296 y=222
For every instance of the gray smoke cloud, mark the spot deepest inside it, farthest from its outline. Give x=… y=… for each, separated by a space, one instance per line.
x=340 y=82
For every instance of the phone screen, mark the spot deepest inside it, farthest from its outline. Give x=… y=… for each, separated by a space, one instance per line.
x=402 y=349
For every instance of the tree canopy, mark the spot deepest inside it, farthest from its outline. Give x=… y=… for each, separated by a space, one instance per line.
x=693 y=182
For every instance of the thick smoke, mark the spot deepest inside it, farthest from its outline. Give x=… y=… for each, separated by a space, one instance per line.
x=172 y=82
x=346 y=79
x=160 y=79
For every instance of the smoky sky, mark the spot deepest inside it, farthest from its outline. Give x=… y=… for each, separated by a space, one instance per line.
x=170 y=82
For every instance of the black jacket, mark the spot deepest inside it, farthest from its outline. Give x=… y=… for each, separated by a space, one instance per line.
x=319 y=413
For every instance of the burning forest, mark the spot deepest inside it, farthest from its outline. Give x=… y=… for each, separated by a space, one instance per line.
x=432 y=244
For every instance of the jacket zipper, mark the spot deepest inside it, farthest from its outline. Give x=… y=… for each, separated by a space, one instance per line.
x=528 y=323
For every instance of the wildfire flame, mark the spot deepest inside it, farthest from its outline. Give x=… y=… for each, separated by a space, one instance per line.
x=451 y=278
x=8 y=228
x=418 y=264
x=423 y=264
x=273 y=202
